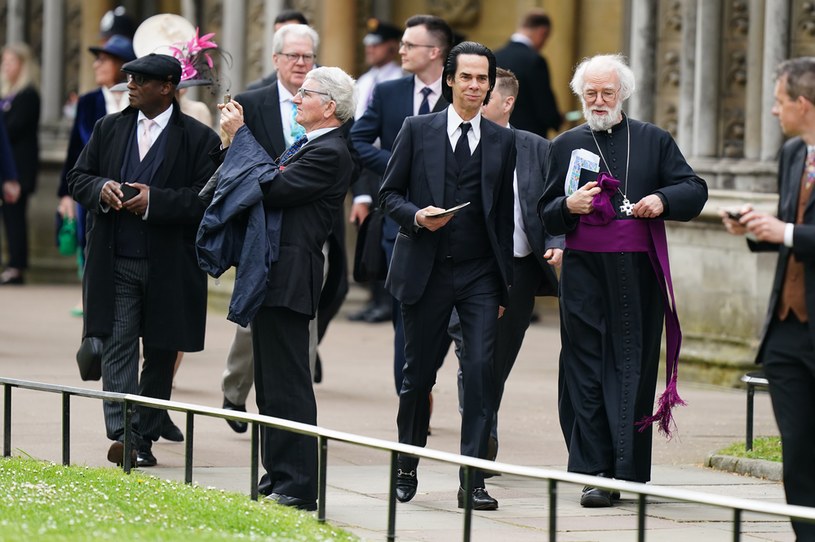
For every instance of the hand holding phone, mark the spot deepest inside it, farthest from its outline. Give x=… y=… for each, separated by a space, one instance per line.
x=128 y=191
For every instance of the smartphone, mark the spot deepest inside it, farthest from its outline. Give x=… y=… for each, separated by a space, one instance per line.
x=128 y=191
x=734 y=216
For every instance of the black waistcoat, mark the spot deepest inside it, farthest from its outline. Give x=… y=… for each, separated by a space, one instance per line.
x=465 y=236
x=131 y=230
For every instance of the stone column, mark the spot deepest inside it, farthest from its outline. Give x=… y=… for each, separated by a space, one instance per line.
x=270 y=10
x=52 y=80
x=643 y=59
x=338 y=36
x=776 y=33
x=15 y=24
x=234 y=36
x=753 y=114
x=687 y=70
x=706 y=83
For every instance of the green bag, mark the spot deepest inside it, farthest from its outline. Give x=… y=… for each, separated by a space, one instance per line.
x=66 y=237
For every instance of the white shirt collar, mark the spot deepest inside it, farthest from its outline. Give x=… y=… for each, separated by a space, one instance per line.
x=454 y=121
x=284 y=93
x=418 y=85
x=521 y=38
x=317 y=133
x=162 y=119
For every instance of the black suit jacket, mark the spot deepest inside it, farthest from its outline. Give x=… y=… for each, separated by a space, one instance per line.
x=530 y=167
x=415 y=178
x=790 y=171
x=175 y=305
x=535 y=108
x=22 y=125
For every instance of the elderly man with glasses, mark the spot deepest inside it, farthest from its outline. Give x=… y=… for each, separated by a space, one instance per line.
x=611 y=184
x=302 y=191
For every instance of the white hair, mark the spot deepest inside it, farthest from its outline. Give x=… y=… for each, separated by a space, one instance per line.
x=296 y=31
x=340 y=87
x=604 y=63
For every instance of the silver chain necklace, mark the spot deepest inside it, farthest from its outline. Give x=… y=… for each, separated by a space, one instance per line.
x=626 y=207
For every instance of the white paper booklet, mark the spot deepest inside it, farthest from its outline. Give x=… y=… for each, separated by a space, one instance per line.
x=581 y=159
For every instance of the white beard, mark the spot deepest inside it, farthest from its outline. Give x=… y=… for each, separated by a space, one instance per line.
x=600 y=123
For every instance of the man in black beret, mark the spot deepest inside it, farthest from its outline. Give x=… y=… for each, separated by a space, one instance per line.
x=140 y=175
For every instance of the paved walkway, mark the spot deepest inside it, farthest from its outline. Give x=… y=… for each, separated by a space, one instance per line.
x=38 y=339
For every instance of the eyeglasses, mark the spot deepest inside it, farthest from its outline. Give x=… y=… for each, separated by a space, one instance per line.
x=307 y=58
x=409 y=46
x=608 y=95
x=304 y=92
x=137 y=78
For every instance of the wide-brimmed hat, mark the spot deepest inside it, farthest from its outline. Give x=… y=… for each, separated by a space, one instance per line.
x=119 y=46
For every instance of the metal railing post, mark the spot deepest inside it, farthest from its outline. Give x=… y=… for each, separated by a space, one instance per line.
x=66 y=428
x=188 y=442
x=552 y=510
x=321 y=478
x=641 y=517
x=253 y=464
x=392 y=499
x=469 y=474
x=748 y=434
x=736 y=525
x=127 y=410
x=7 y=420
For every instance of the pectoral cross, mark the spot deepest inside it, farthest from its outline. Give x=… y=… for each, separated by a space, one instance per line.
x=626 y=208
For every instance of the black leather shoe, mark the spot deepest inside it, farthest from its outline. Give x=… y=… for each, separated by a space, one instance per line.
x=293 y=502
x=171 y=432
x=594 y=497
x=236 y=425
x=481 y=499
x=145 y=458
x=116 y=454
x=360 y=315
x=379 y=314
x=406 y=484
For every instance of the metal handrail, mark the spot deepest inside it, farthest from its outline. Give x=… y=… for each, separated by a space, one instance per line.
x=323 y=435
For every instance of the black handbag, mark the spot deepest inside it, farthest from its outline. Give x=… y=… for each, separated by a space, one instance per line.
x=89 y=358
x=370 y=263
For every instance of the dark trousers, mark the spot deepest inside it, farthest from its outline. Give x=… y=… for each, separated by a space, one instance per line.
x=283 y=388
x=120 y=357
x=789 y=363
x=15 y=222
x=472 y=287
x=389 y=231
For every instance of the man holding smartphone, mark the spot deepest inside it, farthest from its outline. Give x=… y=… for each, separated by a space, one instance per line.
x=140 y=175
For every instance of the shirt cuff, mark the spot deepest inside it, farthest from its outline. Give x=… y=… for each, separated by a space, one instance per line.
x=363 y=198
x=147 y=210
x=788 y=229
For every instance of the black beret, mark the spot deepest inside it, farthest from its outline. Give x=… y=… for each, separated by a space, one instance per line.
x=155 y=66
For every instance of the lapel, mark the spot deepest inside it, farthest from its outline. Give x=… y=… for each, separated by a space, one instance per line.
x=490 y=144
x=434 y=146
x=174 y=137
x=795 y=172
x=405 y=107
x=523 y=169
x=124 y=127
x=272 y=123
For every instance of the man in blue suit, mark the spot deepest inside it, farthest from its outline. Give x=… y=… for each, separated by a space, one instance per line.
x=443 y=261
x=424 y=46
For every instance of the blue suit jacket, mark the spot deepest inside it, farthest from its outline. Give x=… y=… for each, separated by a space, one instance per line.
x=415 y=178
x=89 y=109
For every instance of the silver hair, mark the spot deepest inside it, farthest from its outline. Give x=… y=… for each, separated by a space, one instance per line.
x=602 y=63
x=340 y=87
x=297 y=31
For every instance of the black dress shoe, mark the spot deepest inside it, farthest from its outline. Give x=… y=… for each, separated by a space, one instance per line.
x=379 y=314
x=406 y=484
x=594 y=497
x=116 y=454
x=145 y=458
x=360 y=315
x=481 y=499
x=236 y=425
x=171 y=432
x=293 y=502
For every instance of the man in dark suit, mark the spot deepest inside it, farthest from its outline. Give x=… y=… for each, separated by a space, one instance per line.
x=787 y=347
x=536 y=108
x=287 y=16
x=424 y=46
x=536 y=253
x=141 y=276
x=444 y=261
x=306 y=191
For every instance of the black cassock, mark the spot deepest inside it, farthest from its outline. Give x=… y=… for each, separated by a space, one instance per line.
x=611 y=306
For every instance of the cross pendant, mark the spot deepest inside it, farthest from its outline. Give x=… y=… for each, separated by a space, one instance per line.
x=626 y=208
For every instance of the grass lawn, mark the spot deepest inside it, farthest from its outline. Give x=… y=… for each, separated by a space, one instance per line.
x=48 y=502
x=767 y=448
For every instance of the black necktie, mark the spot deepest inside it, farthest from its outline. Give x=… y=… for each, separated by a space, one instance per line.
x=291 y=151
x=424 y=107
x=462 y=151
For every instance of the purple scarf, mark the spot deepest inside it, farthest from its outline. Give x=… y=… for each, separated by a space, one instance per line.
x=603 y=211
x=642 y=236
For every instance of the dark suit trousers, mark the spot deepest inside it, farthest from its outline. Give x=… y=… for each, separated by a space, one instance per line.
x=472 y=287
x=280 y=340
x=389 y=231
x=120 y=357
x=15 y=221
x=789 y=363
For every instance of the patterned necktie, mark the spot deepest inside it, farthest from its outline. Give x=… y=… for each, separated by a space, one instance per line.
x=462 y=151
x=144 y=138
x=291 y=151
x=809 y=168
x=424 y=107
x=295 y=130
